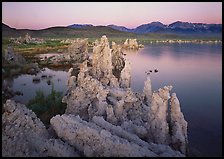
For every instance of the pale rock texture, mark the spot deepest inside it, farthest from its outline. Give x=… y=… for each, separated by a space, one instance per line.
x=178 y=126
x=130 y=44
x=71 y=79
x=88 y=96
x=160 y=150
x=102 y=63
x=78 y=50
x=97 y=92
x=101 y=139
x=147 y=90
x=159 y=130
x=110 y=115
x=125 y=77
x=24 y=135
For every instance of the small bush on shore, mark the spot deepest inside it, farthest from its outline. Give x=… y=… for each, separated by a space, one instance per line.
x=45 y=107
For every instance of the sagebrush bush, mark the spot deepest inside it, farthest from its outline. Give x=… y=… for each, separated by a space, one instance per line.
x=47 y=107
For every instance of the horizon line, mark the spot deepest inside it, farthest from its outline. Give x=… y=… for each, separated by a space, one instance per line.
x=111 y=24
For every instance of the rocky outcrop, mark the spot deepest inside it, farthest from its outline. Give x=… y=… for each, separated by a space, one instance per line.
x=147 y=91
x=158 y=125
x=102 y=139
x=130 y=44
x=27 y=39
x=77 y=53
x=125 y=76
x=98 y=93
x=102 y=59
x=24 y=135
x=104 y=117
x=178 y=126
x=13 y=57
x=78 y=50
x=71 y=79
x=117 y=59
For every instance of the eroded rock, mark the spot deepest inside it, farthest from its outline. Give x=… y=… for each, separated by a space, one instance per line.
x=98 y=93
x=102 y=139
x=24 y=135
x=178 y=126
x=130 y=44
x=104 y=117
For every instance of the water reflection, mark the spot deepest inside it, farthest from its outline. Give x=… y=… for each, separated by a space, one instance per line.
x=29 y=84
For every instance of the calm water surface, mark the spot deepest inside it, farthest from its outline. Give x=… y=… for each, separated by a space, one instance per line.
x=194 y=71
x=25 y=84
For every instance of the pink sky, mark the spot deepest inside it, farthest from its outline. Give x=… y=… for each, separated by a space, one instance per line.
x=39 y=15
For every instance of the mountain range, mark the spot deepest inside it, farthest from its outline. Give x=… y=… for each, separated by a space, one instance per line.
x=153 y=30
x=158 y=27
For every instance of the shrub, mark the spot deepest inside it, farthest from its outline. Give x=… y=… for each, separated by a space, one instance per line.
x=47 y=107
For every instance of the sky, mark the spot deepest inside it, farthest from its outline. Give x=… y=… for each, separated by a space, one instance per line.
x=40 y=15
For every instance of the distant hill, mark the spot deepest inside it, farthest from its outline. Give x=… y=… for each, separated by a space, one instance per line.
x=66 y=32
x=154 y=30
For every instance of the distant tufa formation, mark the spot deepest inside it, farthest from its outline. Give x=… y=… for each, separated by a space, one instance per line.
x=103 y=118
x=77 y=53
x=131 y=44
x=27 y=39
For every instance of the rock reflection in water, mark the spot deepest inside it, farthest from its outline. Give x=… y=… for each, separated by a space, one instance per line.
x=29 y=84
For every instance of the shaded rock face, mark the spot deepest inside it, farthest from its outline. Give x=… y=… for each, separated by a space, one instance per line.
x=78 y=50
x=118 y=60
x=24 y=135
x=13 y=57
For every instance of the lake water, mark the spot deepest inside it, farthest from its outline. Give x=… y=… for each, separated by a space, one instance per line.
x=194 y=71
x=25 y=84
